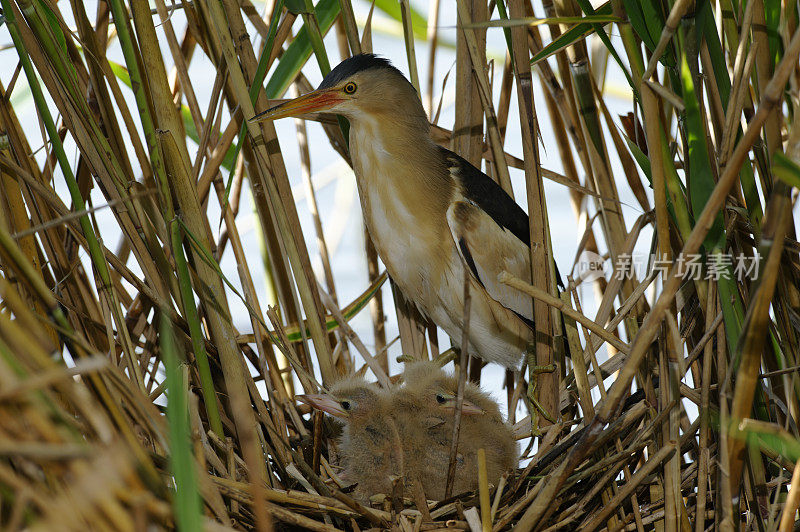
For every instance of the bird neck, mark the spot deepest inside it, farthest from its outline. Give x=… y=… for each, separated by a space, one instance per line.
x=397 y=149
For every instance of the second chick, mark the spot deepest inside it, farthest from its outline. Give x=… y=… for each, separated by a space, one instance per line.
x=424 y=408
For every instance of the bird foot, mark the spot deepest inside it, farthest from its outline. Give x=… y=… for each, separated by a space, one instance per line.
x=535 y=408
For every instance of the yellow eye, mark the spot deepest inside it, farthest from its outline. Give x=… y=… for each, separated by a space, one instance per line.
x=350 y=88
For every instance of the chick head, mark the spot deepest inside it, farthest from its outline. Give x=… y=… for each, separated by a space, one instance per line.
x=426 y=384
x=350 y=399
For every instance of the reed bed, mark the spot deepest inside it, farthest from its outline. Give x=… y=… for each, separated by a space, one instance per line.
x=129 y=400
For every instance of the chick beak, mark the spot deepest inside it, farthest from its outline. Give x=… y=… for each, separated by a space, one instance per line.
x=326 y=403
x=467 y=408
x=317 y=101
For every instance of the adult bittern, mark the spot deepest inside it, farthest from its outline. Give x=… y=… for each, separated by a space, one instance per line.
x=370 y=445
x=430 y=213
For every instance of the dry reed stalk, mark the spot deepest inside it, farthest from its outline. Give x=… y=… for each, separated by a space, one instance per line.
x=542 y=274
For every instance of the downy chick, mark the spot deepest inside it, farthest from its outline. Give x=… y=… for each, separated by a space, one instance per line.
x=370 y=443
x=426 y=430
x=487 y=429
x=482 y=426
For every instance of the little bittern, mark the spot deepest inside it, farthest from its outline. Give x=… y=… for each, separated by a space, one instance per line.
x=430 y=213
x=487 y=430
x=433 y=392
x=426 y=430
x=370 y=445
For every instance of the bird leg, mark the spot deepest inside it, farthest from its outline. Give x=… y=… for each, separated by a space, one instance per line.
x=533 y=377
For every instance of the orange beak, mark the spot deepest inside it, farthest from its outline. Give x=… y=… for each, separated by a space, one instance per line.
x=314 y=102
x=326 y=403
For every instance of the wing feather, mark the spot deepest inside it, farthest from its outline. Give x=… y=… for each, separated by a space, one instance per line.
x=484 y=192
x=488 y=249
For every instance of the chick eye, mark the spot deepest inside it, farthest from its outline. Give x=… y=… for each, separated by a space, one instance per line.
x=440 y=398
x=346 y=405
x=350 y=88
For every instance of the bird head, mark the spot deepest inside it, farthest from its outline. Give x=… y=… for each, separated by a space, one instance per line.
x=349 y=400
x=362 y=85
x=448 y=401
x=428 y=385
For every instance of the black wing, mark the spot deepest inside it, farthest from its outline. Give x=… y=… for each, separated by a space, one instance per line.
x=489 y=196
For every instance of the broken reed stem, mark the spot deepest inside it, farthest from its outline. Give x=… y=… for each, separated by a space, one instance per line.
x=373 y=364
x=483 y=492
x=497 y=495
x=664 y=453
x=522 y=286
x=675 y=15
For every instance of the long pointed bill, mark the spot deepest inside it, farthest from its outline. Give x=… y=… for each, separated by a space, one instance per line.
x=314 y=102
x=326 y=403
x=467 y=408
